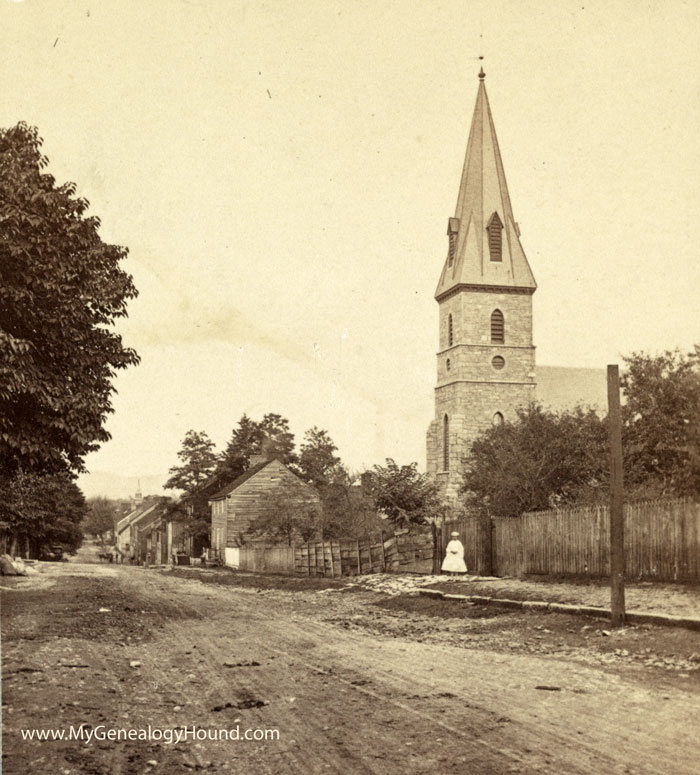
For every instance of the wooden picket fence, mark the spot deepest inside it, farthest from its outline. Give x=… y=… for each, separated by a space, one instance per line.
x=400 y=552
x=662 y=541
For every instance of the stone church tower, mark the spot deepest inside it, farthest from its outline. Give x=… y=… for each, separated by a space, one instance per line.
x=485 y=359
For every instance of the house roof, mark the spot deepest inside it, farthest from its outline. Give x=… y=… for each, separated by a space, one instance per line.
x=229 y=488
x=153 y=512
x=144 y=506
x=483 y=194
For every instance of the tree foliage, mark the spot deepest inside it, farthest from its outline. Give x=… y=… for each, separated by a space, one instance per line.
x=41 y=510
x=404 y=495
x=61 y=290
x=198 y=463
x=318 y=463
x=542 y=460
x=101 y=515
x=661 y=423
x=270 y=437
x=289 y=512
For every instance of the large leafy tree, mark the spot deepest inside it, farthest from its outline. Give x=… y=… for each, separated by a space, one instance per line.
x=346 y=509
x=541 y=460
x=661 y=423
x=102 y=514
x=61 y=290
x=198 y=461
x=42 y=509
x=406 y=496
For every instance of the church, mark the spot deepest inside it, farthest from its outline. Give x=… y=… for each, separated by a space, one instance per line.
x=486 y=355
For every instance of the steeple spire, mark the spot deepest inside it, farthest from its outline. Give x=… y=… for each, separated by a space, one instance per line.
x=484 y=246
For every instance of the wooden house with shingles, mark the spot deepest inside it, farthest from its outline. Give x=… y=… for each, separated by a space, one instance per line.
x=235 y=507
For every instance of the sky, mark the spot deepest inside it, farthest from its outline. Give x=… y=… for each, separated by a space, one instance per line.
x=282 y=173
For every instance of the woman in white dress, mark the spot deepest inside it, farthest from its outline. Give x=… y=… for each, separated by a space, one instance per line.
x=454 y=557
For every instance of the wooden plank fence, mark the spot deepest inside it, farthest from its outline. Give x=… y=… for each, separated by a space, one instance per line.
x=401 y=551
x=662 y=541
x=278 y=558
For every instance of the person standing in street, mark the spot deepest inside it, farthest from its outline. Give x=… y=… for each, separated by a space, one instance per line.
x=454 y=557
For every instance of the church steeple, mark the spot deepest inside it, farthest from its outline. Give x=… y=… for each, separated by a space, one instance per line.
x=485 y=357
x=484 y=239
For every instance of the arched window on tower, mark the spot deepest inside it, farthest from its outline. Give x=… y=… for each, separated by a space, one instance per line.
x=446 y=443
x=495 y=230
x=450 y=331
x=498 y=419
x=498 y=327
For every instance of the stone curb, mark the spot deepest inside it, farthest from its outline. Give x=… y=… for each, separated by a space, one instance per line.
x=632 y=617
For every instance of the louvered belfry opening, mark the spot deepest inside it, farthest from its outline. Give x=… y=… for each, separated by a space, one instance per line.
x=452 y=231
x=450 y=331
x=498 y=327
x=495 y=231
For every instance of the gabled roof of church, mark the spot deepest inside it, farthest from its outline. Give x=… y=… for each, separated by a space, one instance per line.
x=483 y=194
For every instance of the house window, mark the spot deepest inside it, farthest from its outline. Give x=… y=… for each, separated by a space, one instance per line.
x=446 y=444
x=498 y=362
x=495 y=232
x=450 y=331
x=498 y=327
x=498 y=419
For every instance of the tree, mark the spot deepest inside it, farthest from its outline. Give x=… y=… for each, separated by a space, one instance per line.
x=661 y=423
x=61 y=290
x=289 y=512
x=101 y=517
x=41 y=510
x=349 y=512
x=270 y=437
x=318 y=463
x=198 y=463
x=405 y=496
x=541 y=460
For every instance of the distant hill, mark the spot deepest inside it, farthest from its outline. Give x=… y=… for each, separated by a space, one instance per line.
x=561 y=387
x=116 y=486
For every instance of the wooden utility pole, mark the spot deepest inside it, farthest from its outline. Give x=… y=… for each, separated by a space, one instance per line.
x=617 y=523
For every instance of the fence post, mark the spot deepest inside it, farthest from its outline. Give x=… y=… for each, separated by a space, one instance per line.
x=381 y=541
x=437 y=549
x=617 y=520
x=359 y=557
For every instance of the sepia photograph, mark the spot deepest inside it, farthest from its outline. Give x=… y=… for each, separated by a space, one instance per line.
x=349 y=387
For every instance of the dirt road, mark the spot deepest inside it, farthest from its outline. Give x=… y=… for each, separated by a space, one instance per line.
x=353 y=681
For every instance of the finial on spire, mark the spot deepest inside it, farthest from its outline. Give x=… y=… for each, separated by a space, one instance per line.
x=482 y=74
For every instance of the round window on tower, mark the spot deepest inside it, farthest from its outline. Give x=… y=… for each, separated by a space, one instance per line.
x=448 y=365
x=498 y=362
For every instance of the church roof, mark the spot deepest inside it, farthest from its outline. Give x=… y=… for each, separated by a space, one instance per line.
x=560 y=388
x=483 y=225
